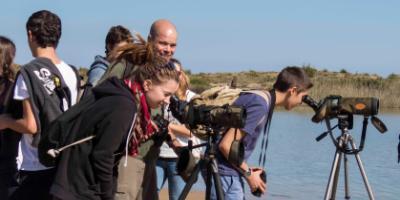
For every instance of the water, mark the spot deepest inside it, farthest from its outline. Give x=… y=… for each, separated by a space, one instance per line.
x=298 y=167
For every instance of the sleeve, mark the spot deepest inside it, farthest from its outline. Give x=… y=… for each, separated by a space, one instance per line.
x=20 y=90
x=257 y=110
x=111 y=132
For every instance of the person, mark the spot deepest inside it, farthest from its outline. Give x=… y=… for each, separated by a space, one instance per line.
x=116 y=37
x=120 y=120
x=45 y=87
x=8 y=141
x=162 y=37
x=167 y=161
x=291 y=85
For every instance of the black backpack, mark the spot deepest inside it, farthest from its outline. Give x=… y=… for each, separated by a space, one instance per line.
x=63 y=130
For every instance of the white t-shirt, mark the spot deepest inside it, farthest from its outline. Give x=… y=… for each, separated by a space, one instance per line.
x=166 y=151
x=30 y=160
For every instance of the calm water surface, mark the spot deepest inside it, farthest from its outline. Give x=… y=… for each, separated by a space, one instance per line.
x=298 y=167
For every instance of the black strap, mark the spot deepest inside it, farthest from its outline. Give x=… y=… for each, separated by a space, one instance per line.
x=264 y=144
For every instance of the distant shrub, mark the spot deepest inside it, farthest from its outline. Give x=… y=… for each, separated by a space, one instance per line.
x=199 y=84
x=252 y=73
x=310 y=71
x=343 y=71
x=188 y=72
x=392 y=76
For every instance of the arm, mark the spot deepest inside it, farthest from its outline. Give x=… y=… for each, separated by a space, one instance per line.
x=26 y=124
x=179 y=129
x=254 y=179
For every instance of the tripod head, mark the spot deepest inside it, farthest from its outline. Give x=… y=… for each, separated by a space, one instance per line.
x=343 y=109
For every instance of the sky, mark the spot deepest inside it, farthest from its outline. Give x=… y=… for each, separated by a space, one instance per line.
x=360 y=36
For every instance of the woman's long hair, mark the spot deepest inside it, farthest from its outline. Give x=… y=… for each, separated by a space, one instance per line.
x=184 y=81
x=7 y=54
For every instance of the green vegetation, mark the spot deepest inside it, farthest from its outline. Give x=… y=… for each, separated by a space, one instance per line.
x=325 y=82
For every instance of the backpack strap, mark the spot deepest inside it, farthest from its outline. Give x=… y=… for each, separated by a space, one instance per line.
x=270 y=99
x=79 y=85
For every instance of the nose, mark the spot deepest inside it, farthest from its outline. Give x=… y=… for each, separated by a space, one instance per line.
x=168 y=49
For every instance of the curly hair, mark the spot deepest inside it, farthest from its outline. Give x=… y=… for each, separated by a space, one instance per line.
x=45 y=26
x=7 y=54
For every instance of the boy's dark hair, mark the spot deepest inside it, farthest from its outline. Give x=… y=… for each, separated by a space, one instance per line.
x=292 y=77
x=45 y=26
x=117 y=34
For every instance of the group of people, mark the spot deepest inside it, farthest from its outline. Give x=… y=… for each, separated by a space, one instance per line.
x=125 y=89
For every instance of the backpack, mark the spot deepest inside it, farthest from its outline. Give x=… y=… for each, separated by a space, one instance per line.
x=220 y=96
x=225 y=95
x=62 y=131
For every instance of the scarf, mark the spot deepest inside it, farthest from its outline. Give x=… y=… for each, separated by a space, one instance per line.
x=143 y=127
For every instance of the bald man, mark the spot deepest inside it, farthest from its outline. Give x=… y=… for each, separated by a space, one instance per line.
x=163 y=36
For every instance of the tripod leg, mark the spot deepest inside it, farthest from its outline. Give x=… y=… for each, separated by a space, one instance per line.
x=336 y=177
x=346 y=179
x=216 y=178
x=191 y=181
x=208 y=181
x=361 y=167
x=332 y=183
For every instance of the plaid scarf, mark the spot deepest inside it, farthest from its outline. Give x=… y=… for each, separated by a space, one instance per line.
x=143 y=127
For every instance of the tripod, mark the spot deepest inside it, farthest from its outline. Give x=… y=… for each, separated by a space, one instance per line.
x=209 y=162
x=345 y=145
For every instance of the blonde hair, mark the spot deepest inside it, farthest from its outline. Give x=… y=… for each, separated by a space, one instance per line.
x=184 y=81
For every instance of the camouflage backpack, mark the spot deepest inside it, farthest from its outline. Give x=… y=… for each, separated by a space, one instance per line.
x=219 y=96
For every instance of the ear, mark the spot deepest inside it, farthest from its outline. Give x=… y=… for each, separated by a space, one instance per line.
x=147 y=85
x=293 y=90
x=30 y=36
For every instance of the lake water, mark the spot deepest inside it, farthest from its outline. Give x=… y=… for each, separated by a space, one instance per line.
x=298 y=167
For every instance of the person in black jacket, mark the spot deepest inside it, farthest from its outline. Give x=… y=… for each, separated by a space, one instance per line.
x=120 y=120
x=8 y=141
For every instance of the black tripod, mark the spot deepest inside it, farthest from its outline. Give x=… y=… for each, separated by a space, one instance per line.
x=345 y=145
x=209 y=162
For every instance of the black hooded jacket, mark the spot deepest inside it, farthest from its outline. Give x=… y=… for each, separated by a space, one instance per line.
x=89 y=170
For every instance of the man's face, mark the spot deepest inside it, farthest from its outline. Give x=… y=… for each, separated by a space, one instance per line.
x=165 y=44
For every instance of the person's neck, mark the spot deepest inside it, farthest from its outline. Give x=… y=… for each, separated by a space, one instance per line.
x=48 y=52
x=280 y=97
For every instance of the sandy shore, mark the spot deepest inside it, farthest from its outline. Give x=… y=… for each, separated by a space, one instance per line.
x=193 y=195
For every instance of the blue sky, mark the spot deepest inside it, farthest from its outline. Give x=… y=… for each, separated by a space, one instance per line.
x=221 y=36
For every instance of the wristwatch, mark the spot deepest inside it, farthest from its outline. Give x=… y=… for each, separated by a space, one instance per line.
x=247 y=173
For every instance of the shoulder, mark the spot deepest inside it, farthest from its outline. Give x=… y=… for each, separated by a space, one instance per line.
x=251 y=100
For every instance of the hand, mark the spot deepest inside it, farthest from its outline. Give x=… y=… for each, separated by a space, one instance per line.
x=254 y=180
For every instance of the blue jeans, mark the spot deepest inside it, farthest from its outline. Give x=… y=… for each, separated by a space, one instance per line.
x=232 y=187
x=166 y=169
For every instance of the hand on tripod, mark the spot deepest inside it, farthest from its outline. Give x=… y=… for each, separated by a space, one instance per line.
x=255 y=180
